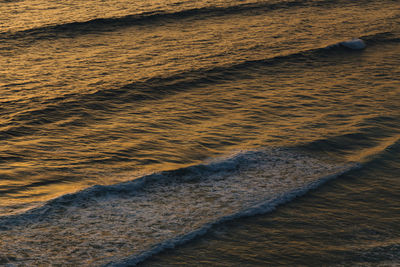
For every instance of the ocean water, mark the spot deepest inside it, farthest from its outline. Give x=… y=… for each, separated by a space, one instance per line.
x=222 y=133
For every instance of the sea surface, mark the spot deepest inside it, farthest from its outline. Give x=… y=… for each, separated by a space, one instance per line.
x=199 y=133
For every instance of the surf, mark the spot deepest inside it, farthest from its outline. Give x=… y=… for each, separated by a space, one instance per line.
x=164 y=209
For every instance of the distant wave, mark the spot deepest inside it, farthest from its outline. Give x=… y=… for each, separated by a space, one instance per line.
x=105 y=24
x=106 y=99
x=72 y=29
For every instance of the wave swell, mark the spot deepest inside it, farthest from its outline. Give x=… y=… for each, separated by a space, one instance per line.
x=94 y=105
x=72 y=29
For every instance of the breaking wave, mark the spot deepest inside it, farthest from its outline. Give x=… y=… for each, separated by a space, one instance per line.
x=161 y=210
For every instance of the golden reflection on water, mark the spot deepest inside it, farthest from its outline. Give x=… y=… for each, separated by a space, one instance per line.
x=186 y=90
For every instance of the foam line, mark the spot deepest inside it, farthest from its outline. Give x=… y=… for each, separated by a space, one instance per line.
x=125 y=223
x=261 y=208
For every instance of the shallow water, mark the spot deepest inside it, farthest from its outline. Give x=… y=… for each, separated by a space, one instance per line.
x=186 y=116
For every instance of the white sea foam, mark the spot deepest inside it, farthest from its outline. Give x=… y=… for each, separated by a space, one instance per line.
x=355 y=43
x=125 y=223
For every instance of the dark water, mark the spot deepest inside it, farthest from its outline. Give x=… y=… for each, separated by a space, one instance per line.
x=352 y=221
x=129 y=130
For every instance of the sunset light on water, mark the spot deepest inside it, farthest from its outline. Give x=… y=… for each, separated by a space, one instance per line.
x=222 y=133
